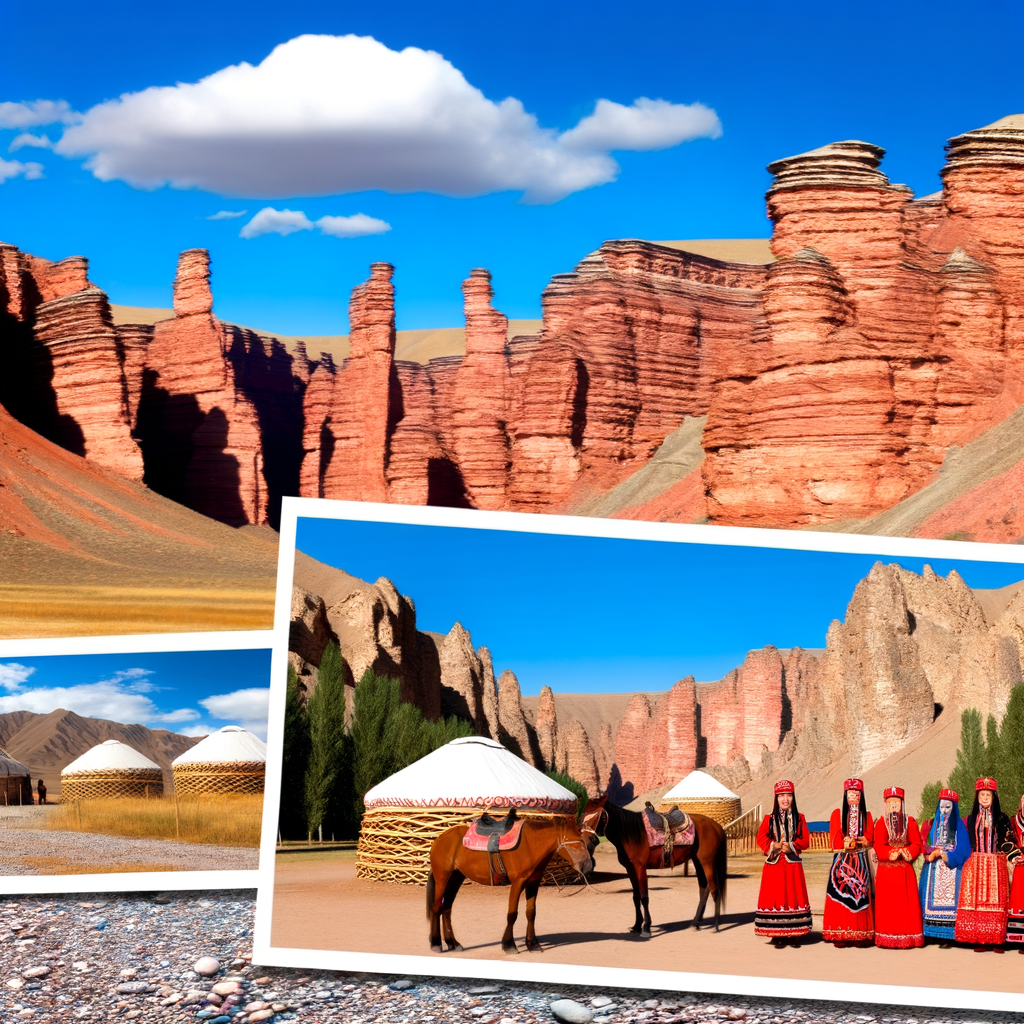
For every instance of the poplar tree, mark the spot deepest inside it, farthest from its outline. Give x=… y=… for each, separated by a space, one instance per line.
x=328 y=777
x=294 y=762
x=1010 y=762
x=971 y=757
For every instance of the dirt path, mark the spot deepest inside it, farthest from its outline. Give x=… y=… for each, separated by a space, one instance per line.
x=319 y=904
x=38 y=851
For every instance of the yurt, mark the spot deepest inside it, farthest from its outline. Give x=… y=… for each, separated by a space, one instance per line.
x=231 y=760
x=700 y=793
x=407 y=811
x=111 y=769
x=15 y=781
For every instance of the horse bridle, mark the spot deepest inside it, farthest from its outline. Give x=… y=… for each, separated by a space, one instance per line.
x=595 y=829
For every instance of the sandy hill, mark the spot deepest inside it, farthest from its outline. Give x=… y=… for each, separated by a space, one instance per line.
x=48 y=743
x=729 y=250
x=419 y=346
x=76 y=534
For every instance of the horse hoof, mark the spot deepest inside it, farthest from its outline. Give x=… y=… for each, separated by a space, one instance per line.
x=455 y=948
x=534 y=947
x=435 y=947
x=635 y=930
x=510 y=949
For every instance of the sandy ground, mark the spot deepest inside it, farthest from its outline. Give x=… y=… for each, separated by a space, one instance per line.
x=26 y=849
x=418 y=346
x=316 y=901
x=732 y=250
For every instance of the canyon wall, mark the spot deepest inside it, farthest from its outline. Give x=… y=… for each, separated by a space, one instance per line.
x=834 y=381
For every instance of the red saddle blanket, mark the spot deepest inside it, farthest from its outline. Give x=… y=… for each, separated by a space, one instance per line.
x=509 y=841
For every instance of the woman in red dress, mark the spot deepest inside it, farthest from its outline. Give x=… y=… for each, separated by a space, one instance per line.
x=897 y=904
x=848 y=918
x=783 y=907
x=1015 y=926
x=982 y=909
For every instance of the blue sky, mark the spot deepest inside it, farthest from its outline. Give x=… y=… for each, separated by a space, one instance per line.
x=780 y=79
x=190 y=692
x=588 y=615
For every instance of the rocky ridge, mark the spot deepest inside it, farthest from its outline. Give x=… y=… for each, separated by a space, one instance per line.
x=47 y=743
x=909 y=649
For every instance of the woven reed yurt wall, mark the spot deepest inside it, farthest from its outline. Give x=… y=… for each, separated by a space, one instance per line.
x=106 y=784
x=206 y=778
x=723 y=810
x=15 y=790
x=394 y=842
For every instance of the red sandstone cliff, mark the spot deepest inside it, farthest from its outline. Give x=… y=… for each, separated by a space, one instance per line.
x=835 y=382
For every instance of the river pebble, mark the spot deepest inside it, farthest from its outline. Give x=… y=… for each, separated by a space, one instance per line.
x=153 y=962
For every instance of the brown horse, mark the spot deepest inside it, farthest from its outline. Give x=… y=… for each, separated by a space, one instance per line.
x=625 y=831
x=451 y=864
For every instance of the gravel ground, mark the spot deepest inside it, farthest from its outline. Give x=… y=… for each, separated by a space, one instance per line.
x=107 y=853
x=130 y=956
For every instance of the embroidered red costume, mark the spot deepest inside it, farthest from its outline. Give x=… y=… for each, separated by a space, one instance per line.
x=1015 y=924
x=897 y=905
x=982 y=909
x=783 y=906
x=848 y=915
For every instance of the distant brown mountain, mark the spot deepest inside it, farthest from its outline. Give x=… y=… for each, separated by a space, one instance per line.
x=48 y=743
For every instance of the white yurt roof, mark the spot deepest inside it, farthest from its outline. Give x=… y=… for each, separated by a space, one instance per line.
x=8 y=766
x=471 y=772
x=699 y=786
x=225 y=746
x=110 y=755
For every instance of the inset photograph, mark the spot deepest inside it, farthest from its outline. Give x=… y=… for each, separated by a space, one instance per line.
x=125 y=765
x=646 y=754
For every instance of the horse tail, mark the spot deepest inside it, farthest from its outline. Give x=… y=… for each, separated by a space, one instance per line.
x=722 y=865
x=431 y=889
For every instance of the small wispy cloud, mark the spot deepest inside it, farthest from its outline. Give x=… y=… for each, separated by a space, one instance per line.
x=28 y=139
x=37 y=112
x=31 y=171
x=352 y=227
x=12 y=675
x=276 y=222
x=286 y=222
x=227 y=214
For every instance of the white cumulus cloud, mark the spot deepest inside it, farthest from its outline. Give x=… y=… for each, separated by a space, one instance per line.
x=13 y=168
x=28 y=139
x=227 y=214
x=323 y=115
x=38 y=112
x=352 y=227
x=248 y=708
x=276 y=222
x=12 y=675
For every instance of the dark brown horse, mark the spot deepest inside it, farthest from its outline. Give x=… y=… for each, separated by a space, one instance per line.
x=625 y=831
x=451 y=864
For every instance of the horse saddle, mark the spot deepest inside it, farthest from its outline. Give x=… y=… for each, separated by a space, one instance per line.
x=493 y=834
x=675 y=828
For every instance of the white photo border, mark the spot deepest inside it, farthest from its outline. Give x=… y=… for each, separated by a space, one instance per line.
x=136 y=643
x=266 y=954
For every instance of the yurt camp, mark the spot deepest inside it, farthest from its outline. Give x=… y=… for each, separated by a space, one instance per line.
x=231 y=760
x=700 y=793
x=407 y=811
x=111 y=769
x=15 y=781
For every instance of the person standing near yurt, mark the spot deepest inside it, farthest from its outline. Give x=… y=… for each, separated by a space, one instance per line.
x=983 y=908
x=783 y=906
x=897 y=904
x=1015 y=922
x=848 y=918
x=946 y=849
